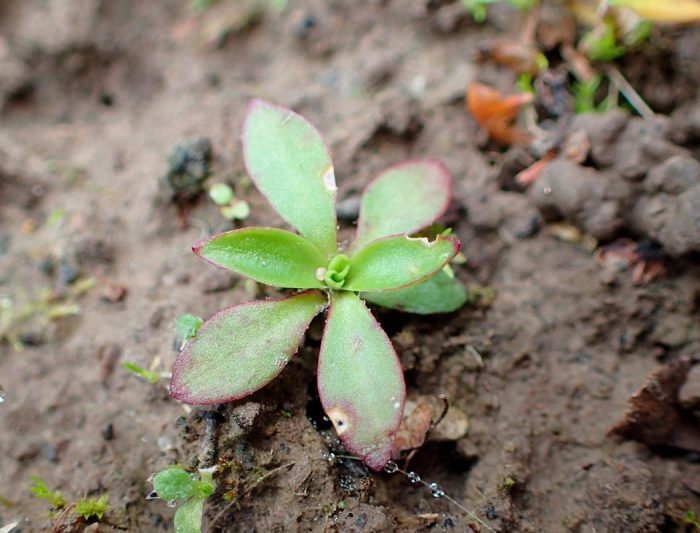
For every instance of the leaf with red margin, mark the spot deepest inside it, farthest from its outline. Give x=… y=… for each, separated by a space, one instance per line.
x=242 y=348
x=269 y=255
x=287 y=160
x=360 y=380
x=398 y=261
x=404 y=198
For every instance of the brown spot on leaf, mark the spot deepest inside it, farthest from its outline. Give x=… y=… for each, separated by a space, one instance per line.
x=340 y=419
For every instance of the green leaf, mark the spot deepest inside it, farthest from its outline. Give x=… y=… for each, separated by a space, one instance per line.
x=153 y=377
x=188 y=325
x=440 y=293
x=403 y=199
x=286 y=158
x=398 y=261
x=174 y=483
x=188 y=517
x=242 y=348
x=267 y=255
x=360 y=380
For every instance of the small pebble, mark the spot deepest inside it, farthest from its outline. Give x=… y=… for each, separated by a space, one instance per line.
x=349 y=208
x=108 y=432
x=67 y=271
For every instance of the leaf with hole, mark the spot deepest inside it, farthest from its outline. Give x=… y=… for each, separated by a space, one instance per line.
x=399 y=261
x=403 y=200
x=360 y=380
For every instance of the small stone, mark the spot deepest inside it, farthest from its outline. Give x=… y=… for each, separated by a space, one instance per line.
x=108 y=432
x=303 y=24
x=467 y=450
x=675 y=175
x=113 y=292
x=31 y=338
x=689 y=394
x=68 y=270
x=189 y=166
x=349 y=208
x=240 y=421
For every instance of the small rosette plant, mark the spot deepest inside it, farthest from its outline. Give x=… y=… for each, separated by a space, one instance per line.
x=243 y=347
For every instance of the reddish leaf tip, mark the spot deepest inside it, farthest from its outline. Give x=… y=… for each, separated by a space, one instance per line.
x=457 y=245
x=377 y=461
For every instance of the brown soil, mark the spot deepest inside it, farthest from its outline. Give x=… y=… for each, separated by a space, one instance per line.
x=95 y=95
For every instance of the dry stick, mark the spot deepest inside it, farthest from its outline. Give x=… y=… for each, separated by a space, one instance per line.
x=247 y=490
x=391 y=467
x=439 y=493
x=208 y=447
x=632 y=96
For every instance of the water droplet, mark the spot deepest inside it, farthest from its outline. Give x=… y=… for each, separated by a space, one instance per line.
x=391 y=467
x=413 y=477
x=171 y=503
x=329 y=456
x=164 y=444
x=436 y=491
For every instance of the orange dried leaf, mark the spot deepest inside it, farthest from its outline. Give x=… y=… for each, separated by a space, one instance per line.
x=496 y=112
x=531 y=174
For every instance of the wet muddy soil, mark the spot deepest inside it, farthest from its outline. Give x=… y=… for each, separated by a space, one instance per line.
x=585 y=305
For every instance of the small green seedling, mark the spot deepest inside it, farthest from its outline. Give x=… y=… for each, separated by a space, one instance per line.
x=601 y=44
x=585 y=93
x=187 y=326
x=91 y=507
x=478 y=9
x=86 y=508
x=148 y=375
x=692 y=519
x=243 y=347
x=42 y=491
x=178 y=487
x=231 y=207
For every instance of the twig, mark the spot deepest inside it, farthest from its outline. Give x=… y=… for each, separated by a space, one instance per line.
x=391 y=468
x=439 y=493
x=632 y=96
x=248 y=490
x=262 y=478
